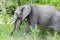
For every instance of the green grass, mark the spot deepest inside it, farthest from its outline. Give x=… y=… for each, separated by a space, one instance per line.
x=5 y=30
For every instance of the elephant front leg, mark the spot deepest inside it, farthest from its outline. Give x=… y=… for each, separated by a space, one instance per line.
x=19 y=23
x=27 y=27
x=33 y=24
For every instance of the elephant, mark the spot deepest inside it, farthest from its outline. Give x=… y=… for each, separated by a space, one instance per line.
x=45 y=15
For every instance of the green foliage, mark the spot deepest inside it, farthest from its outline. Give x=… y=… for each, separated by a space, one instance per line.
x=11 y=5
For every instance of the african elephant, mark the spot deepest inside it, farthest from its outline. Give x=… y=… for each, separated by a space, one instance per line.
x=46 y=15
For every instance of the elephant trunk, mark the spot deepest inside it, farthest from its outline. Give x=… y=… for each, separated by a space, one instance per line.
x=20 y=21
x=14 y=24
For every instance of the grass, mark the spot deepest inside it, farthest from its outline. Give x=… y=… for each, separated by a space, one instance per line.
x=18 y=35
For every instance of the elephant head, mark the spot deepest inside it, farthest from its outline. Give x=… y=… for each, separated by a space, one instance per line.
x=21 y=12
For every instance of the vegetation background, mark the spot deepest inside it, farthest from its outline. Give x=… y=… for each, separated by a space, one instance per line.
x=7 y=8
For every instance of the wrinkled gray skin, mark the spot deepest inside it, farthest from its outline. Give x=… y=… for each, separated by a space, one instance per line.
x=46 y=15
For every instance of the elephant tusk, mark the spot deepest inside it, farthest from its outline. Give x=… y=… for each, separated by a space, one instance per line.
x=11 y=21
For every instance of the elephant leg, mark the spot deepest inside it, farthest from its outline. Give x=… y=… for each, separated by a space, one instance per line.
x=27 y=27
x=33 y=25
x=14 y=28
x=19 y=23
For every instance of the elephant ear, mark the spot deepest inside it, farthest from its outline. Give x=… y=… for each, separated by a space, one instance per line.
x=26 y=11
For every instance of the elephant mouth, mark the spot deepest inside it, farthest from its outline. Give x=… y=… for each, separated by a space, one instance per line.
x=20 y=21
